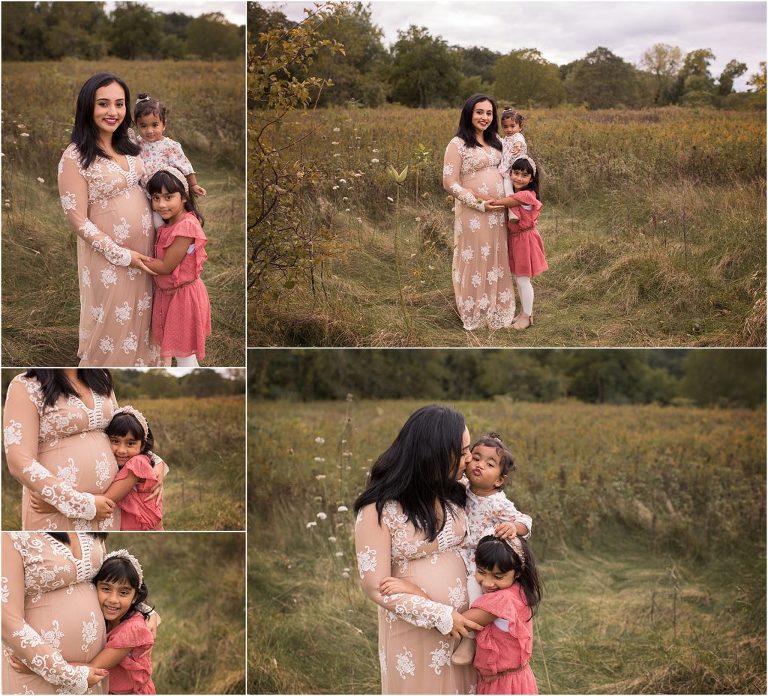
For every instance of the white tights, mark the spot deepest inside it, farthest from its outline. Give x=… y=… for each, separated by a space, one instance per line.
x=189 y=361
x=525 y=289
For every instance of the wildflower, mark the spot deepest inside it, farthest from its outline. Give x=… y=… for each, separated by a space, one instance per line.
x=21 y=125
x=375 y=150
x=360 y=220
x=320 y=477
x=7 y=205
x=336 y=130
x=343 y=508
x=321 y=516
x=418 y=219
x=430 y=267
x=332 y=539
x=311 y=524
x=334 y=142
x=390 y=199
x=350 y=397
x=345 y=198
x=344 y=573
x=40 y=179
x=343 y=442
x=320 y=440
x=337 y=154
x=319 y=460
x=342 y=181
x=339 y=554
x=346 y=210
x=357 y=174
x=346 y=454
x=335 y=188
x=299 y=175
x=25 y=135
x=374 y=161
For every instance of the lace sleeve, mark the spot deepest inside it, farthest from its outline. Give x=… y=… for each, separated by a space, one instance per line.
x=451 y=178
x=20 y=639
x=73 y=193
x=374 y=550
x=21 y=425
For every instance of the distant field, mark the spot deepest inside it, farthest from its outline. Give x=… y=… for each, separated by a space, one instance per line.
x=649 y=523
x=653 y=222
x=40 y=295
x=195 y=583
x=203 y=442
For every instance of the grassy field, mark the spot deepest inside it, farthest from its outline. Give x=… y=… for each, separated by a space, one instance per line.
x=196 y=583
x=39 y=289
x=649 y=524
x=203 y=441
x=653 y=222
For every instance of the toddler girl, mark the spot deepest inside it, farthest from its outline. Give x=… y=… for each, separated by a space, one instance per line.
x=128 y=653
x=512 y=146
x=157 y=151
x=524 y=244
x=181 y=311
x=132 y=442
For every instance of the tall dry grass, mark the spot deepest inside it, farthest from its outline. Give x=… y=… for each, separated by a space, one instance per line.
x=40 y=295
x=653 y=221
x=649 y=525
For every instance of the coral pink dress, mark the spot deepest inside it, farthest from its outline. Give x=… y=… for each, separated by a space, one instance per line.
x=181 y=311
x=505 y=645
x=134 y=674
x=139 y=514
x=526 y=249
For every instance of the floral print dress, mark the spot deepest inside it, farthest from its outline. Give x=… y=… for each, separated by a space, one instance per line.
x=51 y=614
x=60 y=452
x=414 y=647
x=109 y=212
x=482 y=281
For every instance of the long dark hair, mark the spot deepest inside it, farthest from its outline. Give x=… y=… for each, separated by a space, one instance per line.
x=54 y=383
x=123 y=424
x=85 y=133
x=117 y=568
x=420 y=467
x=165 y=180
x=466 y=130
x=493 y=552
x=521 y=164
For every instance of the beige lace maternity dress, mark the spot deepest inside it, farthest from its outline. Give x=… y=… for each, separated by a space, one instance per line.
x=60 y=452
x=51 y=615
x=109 y=211
x=414 y=649
x=482 y=281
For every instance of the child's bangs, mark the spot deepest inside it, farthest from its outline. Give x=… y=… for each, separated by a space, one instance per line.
x=522 y=165
x=117 y=570
x=125 y=424
x=493 y=552
x=164 y=180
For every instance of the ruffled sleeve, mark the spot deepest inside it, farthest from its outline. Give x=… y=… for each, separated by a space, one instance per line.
x=374 y=562
x=139 y=466
x=508 y=605
x=177 y=158
x=73 y=194
x=21 y=429
x=452 y=177
x=190 y=227
x=19 y=638
x=131 y=633
x=528 y=210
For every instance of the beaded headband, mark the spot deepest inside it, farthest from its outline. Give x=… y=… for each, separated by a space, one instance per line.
x=124 y=553
x=138 y=415
x=514 y=543
x=524 y=157
x=177 y=175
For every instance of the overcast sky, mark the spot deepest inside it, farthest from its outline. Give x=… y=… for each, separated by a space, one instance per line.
x=234 y=11
x=566 y=31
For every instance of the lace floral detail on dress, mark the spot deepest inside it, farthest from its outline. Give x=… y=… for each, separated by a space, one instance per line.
x=441 y=656
x=12 y=434
x=61 y=495
x=366 y=561
x=405 y=665
x=89 y=633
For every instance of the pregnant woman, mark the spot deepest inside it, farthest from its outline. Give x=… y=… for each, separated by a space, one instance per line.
x=411 y=523
x=482 y=281
x=51 y=614
x=99 y=176
x=55 y=445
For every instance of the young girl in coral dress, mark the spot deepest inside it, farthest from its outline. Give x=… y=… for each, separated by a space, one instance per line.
x=526 y=249
x=132 y=443
x=128 y=654
x=181 y=311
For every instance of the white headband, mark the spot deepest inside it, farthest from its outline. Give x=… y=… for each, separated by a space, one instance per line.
x=514 y=543
x=138 y=415
x=177 y=175
x=123 y=553
x=524 y=157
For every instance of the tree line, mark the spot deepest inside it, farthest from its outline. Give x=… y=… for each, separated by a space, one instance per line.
x=133 y=31
x=727 y=378
x=422 y=70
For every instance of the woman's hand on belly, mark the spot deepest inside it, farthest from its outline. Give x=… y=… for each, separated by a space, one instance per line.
x=389 y=586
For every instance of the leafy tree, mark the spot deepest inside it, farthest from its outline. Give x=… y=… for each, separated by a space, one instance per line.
x=359 y=75
x=211 y=36
x=425 y=71
x=24 y=25
x=477 y=61
x=135 y=32
x=528 y=78
x=730 y=72
x=603 y=80
x=663 y=62
x=725 y=377
x=758 y=80
x=693 y=78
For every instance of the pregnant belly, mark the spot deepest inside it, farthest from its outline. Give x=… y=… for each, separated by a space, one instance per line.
x=442 y=575
x=84 y=460
x=70 y=620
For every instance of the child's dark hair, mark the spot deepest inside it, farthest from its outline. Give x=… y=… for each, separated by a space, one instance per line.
x=117 y=569
x=494 y=553
x=506 y=461
x=165 y=180
x=123 y=424
x=523 y=164
x=516 y=116
x=146 y=105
